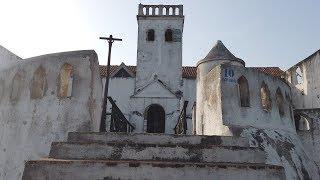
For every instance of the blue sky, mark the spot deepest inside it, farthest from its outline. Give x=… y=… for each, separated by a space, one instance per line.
x=262 y=33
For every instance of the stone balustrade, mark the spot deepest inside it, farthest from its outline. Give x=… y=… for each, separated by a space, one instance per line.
x=160 y=10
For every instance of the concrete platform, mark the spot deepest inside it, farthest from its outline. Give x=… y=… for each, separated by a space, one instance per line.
x=106 y=170
x=159 y=139
x=162 y=152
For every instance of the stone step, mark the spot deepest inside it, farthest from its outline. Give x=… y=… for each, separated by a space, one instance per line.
x=150 y=138
x=164 y=152
x=107 y=170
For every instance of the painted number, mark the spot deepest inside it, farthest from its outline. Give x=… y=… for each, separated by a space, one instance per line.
x=229 y=73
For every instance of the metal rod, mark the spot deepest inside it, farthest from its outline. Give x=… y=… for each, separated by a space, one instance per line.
x=106 y=87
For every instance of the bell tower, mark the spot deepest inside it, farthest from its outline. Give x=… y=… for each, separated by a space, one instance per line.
x=159 y=51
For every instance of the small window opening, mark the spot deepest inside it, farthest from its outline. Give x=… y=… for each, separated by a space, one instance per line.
x=244 y=92
x=177 y=11
x=301 y=122
x=156 y=11
x=265 y=97
x=150 y=11
x=168 y=35
x=144 y=11
x=38 y=84
x=170 y=11
x=164 y=11
x=65 y=81
x=150 y=35
x=280 y=102
x=299 y=75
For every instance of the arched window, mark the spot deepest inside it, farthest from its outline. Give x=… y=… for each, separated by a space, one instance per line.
x=65 y=81
x=38 y=83
x=244 y=92
x=164 y=11
x=17 y=87
x=144 y=10
x=156 y=11
x=177 y=11
x=150 y=35
x=280 y=102
x=170 y=11
x=168 y=35
x=265 y=97
x=299 y=75
x=155 y=116
x=301 y=122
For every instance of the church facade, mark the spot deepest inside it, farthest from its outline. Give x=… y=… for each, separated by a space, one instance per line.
x=152 y=94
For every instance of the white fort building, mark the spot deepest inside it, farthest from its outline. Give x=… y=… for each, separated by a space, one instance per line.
x=216 y=120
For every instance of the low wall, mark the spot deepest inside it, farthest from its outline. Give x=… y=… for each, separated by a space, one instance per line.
x=43 y=98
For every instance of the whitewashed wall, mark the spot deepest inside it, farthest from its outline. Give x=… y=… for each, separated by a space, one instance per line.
x=28 y=126
x=7 y=58
x=254 y=115
x=307 y=94
x=122 y=91
x=158 y=57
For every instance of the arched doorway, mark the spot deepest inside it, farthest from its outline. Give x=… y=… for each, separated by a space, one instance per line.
x=155 y=116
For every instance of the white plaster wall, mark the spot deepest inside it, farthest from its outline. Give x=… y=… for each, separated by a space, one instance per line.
x=203 y=68
x=307 y=94
x=7 y=58
x=120 y=89
x=284 y=148
x=189 y=94
x=311 y=138
x=235 y=115
x=28 y=126
x=158 y=57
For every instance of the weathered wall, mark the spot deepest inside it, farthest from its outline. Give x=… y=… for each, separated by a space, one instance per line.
x=189 y=94
x=254 y=115
x=309 y=131
x=41 y=102
x=283 y=148
x=209 y=112
x=159 y=57
x=273 y=133
x=7 y=58
x=121 y=89
x=306 y=93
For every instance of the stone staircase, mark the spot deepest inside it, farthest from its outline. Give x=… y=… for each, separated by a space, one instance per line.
x=102 y=156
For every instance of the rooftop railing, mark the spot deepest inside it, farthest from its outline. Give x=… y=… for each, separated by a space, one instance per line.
x=160 y=10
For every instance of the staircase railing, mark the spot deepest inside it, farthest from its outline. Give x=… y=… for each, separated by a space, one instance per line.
x=181 y=126
x=119 y=122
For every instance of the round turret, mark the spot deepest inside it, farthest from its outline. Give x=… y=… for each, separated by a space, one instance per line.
x=219 y=54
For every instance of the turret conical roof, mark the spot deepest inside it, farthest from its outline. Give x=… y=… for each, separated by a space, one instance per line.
x=220 y=52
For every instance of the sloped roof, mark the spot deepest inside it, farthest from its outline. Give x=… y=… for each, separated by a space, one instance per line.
x=220 y=52
x=190 y=72
x=273 y=71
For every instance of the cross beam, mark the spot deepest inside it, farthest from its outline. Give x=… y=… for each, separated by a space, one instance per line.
x=110 y=40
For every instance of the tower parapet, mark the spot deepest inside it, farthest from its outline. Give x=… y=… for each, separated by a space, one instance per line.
x=160 y=10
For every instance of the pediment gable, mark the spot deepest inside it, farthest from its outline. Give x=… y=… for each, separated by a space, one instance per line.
x=156 y=89
x=122 y=71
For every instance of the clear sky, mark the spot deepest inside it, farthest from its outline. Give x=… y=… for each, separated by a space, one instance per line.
x=262 y=33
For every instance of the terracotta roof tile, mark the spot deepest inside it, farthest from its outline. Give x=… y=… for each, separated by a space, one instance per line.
x=273 y=71
x=190 y=72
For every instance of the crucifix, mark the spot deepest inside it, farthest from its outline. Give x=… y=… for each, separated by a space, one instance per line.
x=102 y=128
